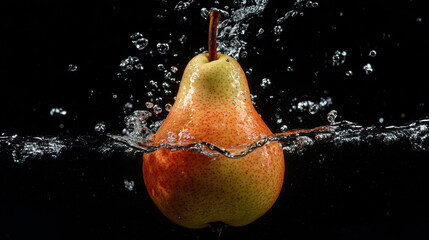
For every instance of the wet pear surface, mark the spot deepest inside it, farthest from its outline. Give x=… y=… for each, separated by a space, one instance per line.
x=213 y=105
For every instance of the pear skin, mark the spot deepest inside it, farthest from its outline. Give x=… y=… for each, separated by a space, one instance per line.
x=192 y=189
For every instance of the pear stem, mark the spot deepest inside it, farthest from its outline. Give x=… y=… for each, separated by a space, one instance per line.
x=214 y=20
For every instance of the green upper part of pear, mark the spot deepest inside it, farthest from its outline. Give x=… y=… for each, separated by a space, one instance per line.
x=220 y=81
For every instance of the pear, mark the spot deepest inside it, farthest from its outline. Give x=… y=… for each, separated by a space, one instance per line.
x=193 y=189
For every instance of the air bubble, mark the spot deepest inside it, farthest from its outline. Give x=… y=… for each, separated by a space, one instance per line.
x=372 y=53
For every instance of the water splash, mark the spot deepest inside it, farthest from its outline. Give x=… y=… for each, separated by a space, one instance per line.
x=137 y=140
x=234 y=24
x=297 y=141
x=310 y=106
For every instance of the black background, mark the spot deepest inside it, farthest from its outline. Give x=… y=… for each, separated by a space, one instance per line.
x=353 y=192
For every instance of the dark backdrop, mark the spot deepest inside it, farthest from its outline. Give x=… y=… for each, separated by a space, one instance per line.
x=353 y=192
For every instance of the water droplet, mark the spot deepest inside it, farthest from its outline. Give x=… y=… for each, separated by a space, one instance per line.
x=128 y=105
x=168 y=107
x=419 y=19
x=153 y=83
x=173 y=69
x=72 y=68
x=349 y=73
x=368 y=69
x=332 y=115
x=204 y=13
x=165 y=85
x=128 y=63
x=160 y=67
x=56 y=111
x=278 y=30
x=243 y=54
x=162 y=48
x=157 y=109
x=149 y=104
x=139 y=41
x=265 y=83
x=313 y=4
x=182 y=39
x=181 y=5
x=283 y=128
x=339 y=57
x=129 y=185
x=100 y=127
x=167 y=74
x=253 y=98
x=381 y=120
x=171 y=137
x=313 y=109
x=305 y=141
x=139 y=66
